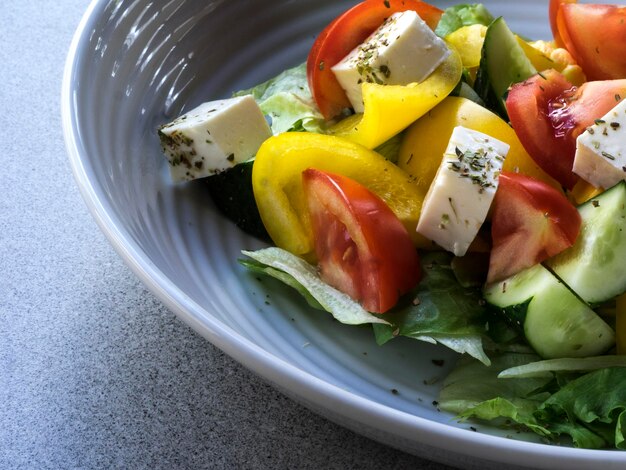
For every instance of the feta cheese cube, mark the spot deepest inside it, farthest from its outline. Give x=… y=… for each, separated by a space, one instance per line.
x=213 y=137
x=460 y=196
x=402 y=50
x=601 y=150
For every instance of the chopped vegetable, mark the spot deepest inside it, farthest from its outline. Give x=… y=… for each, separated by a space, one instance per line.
x=361 y=246
x=461 y=15
x=530 y=223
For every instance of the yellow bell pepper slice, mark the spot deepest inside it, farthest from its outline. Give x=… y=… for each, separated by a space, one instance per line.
x=425 y=141
x=539 y=60
x=468 y=41
x=277 y=184
x=389 y=109
x=583 y=191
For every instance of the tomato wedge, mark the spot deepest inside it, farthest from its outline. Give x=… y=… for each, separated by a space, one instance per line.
x=594 y=34
x=530 y=222
x=556 y=28
x=362 y=248
x=548 y=113
x=342 y=35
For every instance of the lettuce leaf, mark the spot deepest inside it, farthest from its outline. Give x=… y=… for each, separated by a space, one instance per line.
x=261 y=268
x=461 y=15
x=591 y=409
x=473 y=390
x=446 y=313
x=439 y=310
x=292 y=80
x=588 y=408
x=297 y=273
x=288 y=102
x=547 y=367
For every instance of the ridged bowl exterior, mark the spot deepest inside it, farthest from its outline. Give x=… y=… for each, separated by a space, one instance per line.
x=136 y=64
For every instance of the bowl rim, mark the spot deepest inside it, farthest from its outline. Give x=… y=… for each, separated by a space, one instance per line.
x=305 y=388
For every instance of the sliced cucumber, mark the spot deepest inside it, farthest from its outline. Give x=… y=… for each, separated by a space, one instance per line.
x=595 y=266
x=554 y=320
x=231 y=190
x=502 y=64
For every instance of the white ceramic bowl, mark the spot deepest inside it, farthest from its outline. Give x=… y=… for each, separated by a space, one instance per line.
x=135 y=64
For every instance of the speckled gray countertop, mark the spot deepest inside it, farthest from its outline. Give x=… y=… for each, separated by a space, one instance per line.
x=94 y=371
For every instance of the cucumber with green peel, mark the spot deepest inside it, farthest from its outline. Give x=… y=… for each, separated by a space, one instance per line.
x=555 y=322
x=595 y=266
x=502 y=64
x=231 y=191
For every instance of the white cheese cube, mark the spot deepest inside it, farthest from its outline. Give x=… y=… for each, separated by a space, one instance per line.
x=601 y=150
x=402 y=50
x=213 y=137
x=460 y=196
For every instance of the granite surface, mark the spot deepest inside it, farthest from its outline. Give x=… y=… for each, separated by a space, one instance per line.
x=94 y=371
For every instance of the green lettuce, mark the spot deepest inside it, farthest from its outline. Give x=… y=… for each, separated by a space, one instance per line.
x=297 y=273
x=446 y=313
x=546 y=367
x=288 y=102
x=473 y=390
x=439 y=310
x=292 y=80
x=588 y=408
x=461 y=15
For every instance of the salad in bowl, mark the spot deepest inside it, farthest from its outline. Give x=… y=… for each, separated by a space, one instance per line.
x=430 y=174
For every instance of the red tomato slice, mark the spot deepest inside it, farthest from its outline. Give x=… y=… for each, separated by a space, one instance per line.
x=595 y=36
x=345 y=33
x=530 y=222
x=556 y=23
x=362 y=248
x=548 y=113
